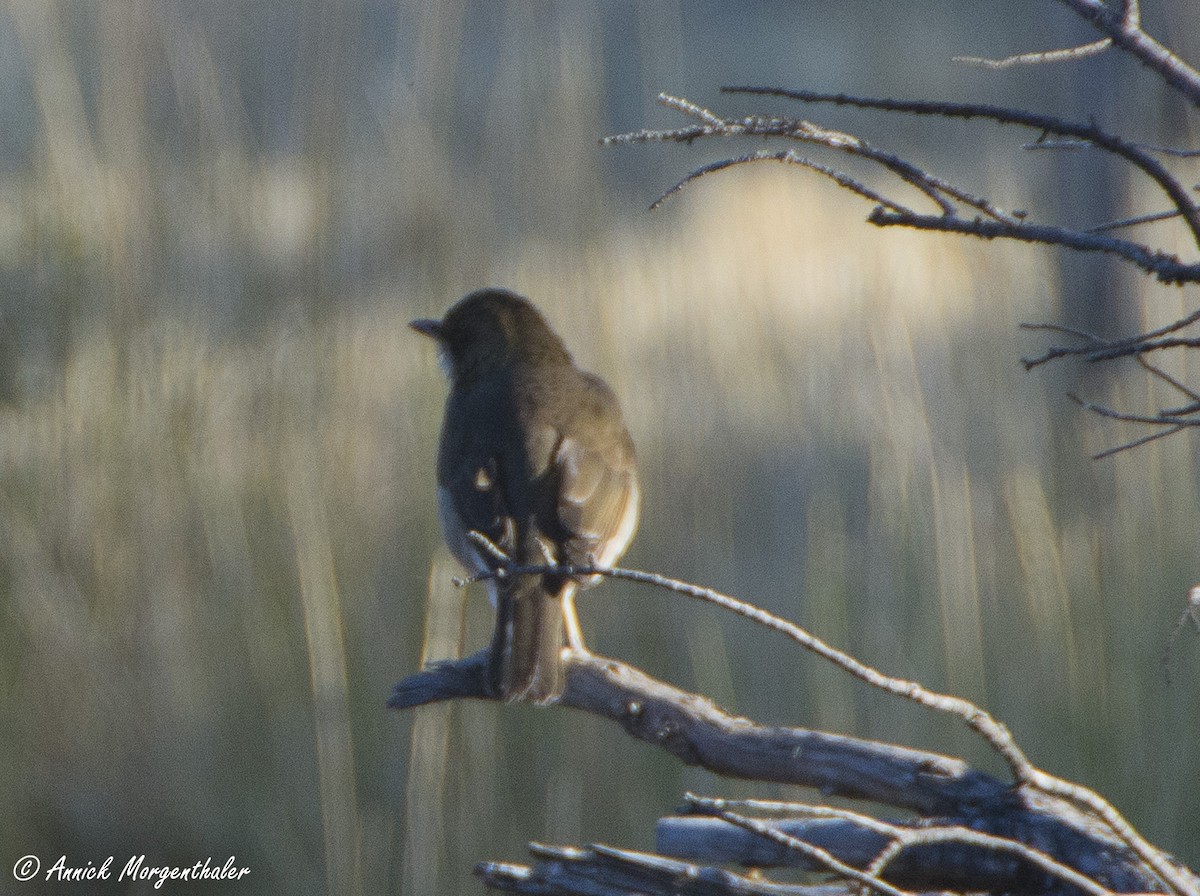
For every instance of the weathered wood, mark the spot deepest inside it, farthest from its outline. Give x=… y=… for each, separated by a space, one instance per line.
x=939 y=789
x=698 y=732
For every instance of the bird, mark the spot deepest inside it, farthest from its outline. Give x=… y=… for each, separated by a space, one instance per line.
x=534 y=455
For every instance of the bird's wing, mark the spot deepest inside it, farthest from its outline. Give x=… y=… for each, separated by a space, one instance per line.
x=597 y=496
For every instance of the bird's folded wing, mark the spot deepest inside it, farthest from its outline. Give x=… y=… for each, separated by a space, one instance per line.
x=598 y=498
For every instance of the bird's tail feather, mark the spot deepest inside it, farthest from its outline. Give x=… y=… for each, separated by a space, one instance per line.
x=528 y=642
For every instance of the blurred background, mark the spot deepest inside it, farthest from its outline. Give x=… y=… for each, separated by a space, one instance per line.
x=218 y=536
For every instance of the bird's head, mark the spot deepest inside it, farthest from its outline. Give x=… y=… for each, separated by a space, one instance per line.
x=489 y=330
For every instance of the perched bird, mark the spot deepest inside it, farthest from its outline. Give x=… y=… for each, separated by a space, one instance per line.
x=535 y=456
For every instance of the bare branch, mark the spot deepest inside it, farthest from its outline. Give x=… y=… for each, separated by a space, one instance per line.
x=1172 y=419
x=992 y=222
x=1096 y=349
x=697 y=732
x=958 y=211
x=1046 y=123
x=938 y=190
x=1125 y=30
x=633 y=710
x=1153 y=420
x=1069 y=54
x=1175 y=384
x=1165 y=267
x=1061 y=328
x=1139 y=348
x=687 y=107
x=1173 y=151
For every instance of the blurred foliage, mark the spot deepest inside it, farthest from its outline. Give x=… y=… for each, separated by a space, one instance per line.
x=218 y=541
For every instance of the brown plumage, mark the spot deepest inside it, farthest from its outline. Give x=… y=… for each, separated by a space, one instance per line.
x=535 y=455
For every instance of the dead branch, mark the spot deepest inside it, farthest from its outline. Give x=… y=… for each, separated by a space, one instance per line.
x=983 y=218
x=1093 y=348
x=1046 y=124
x=946 y=793
x=1060 y=822
x=958 y=211
x=1125 y=30
x=1167 y=268
x=697 y=732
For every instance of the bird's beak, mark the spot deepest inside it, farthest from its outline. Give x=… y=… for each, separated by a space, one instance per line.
x=427 y=327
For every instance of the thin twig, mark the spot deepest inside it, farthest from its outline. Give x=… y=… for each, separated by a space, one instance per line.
x=1130 y=222
x=1140 y=348
x=1171 y=423
x=790 y=157
x=939 y=191
x=1175 y=384
x=1097 y=349
x=995 y=222
x=1042 y=143
x=1068 y=54
x=1191 y=612
x=1155 y=420
x=1137 y=443
x=687 y=107
x=1063 y=329
x=1175 y=326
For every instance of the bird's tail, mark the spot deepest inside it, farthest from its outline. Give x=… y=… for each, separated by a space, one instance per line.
x=528 y=642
